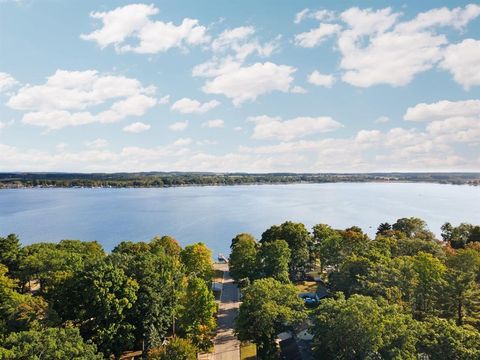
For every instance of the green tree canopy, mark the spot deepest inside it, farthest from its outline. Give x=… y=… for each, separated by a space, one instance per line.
x=274 y=258
x=49 y=344
x=176 y=349
x=299 y=241
x=197 y=259
x=268 y=306
x=361 y=328
x=243 y=258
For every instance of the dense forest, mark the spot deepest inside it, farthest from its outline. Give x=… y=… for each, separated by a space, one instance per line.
x=72 y=301
x=159 y=179
x=402 y=295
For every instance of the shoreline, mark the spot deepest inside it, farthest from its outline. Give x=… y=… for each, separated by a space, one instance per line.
x=23 y=187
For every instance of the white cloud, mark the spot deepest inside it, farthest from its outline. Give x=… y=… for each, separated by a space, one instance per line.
x=164 y=100
x=5 y=124
x=300 y=16
x=178 y=126
x=249 y=82
x=267 y=127
x=377 y=48
x=319 y=79
x=189 y=106
x=316 y=36
x=137 y=127
x=298 y=90
x=442 y=110
x=98 y=143
x=317 y=15
x=216 y=123
x=382 y=119
x=183 y=141
x=64 y=99
x=463 y=61
x=7 y=81
x=132 y=22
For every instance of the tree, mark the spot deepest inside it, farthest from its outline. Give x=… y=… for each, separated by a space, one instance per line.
x=458 y=237
x=168 y=243
x=19 y=312
x=176 y=349
x=160 y=280
x=429 y=280
x=442 y=339
x=274 y=258
x=361 y=328
x=197 y=259
x=383 y=228
x=97 y=300
x=462 y=294
x=198 y=316
x=268 y=307
x=243 y=258
x=52 y=343
x=298 y=240
x=413 y=227
x=10 y=252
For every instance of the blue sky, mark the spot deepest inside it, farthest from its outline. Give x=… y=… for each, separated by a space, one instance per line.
x=257 y=86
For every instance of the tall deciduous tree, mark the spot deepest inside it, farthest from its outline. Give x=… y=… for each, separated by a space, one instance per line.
x=243 y=258
x=274 y=259
x=197 y=259
x=268 y=306
x=298 y=240
x=48 y=344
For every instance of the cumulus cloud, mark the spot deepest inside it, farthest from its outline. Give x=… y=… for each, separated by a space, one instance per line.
x=98 y=143
x=442 y=110
x=189 y=106
x=183 y=141
x=216 y=123
x=66 y=96
x=136 y=127
x=316 y=36
x=131 y=23
x=319 y=79
x=267 y=127
x=247 y=83
x=178 y=126
x=463 y=61
x=7 y=81
x=377 y=48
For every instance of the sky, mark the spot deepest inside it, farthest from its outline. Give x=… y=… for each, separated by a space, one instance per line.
x=239 y=86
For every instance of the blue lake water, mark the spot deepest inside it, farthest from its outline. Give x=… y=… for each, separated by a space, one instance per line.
x=215 y=215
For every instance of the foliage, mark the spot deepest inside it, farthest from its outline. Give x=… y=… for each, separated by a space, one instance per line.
x=267 y=307
x=176 y=349
x=298 y=240
x=243 y=258
x=10 y=252
x=198 y=316
x=52 y=343
x=413 y=228
x=197 y=259
x=442 y=339
x=97 y=300
x=361 y=328
x=274 y=258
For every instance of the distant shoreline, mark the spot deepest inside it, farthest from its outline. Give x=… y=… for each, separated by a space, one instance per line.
x=169 y=180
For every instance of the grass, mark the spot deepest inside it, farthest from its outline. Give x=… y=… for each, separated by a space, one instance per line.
x=248 y=351
x=306 y=286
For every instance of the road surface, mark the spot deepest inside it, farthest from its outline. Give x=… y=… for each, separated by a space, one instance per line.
x=227 y=347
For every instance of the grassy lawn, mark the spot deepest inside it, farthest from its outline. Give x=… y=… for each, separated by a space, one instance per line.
x=306 y=286
x=248 y=351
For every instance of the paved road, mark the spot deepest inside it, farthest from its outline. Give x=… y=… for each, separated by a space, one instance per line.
x=227 y=347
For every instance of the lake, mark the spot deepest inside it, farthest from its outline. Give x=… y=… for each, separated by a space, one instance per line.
x=215 y=215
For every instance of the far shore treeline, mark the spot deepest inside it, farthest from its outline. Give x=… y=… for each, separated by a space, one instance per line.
x=401 y=295
x=170 y=179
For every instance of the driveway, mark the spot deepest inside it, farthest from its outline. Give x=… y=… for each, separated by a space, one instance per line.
x=226 y=345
